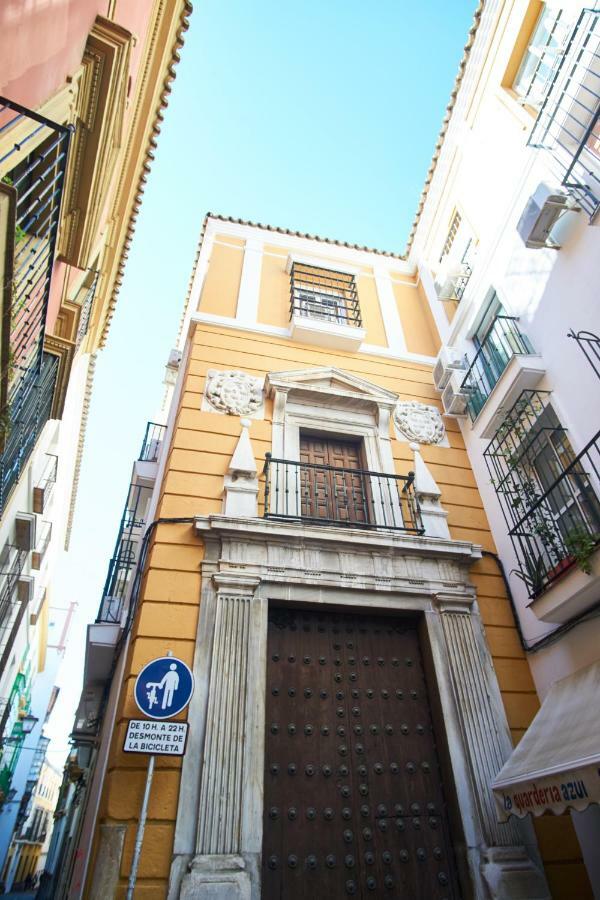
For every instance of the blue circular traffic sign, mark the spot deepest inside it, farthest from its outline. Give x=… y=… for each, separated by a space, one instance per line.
x=164 y=687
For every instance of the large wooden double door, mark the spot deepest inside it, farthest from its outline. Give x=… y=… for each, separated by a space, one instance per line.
x=353 y=795
x=332 y=482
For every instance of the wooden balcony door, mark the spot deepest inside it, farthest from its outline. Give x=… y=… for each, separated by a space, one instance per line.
x=338 y=492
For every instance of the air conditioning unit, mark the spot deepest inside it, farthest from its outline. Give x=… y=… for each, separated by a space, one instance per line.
x=454 y=399
x=448 y=361
x=538 y=225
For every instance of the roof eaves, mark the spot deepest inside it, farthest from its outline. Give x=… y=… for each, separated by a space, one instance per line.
x=445 y=122
x=146 y=165
x=302 y=234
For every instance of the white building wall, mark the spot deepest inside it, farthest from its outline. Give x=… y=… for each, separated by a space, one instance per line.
x=60 y=438
x=487 y=172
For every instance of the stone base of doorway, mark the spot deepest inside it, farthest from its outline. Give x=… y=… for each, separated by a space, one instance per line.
x=217 y=877
x=510 y=874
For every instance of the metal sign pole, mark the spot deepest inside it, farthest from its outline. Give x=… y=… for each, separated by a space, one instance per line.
x=176 y=681
x=139 y=836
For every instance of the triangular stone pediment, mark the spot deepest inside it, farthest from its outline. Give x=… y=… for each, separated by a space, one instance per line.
x=329 y=380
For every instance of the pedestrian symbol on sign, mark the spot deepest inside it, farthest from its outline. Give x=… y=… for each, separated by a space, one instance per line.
x=164 y=687
x=168 y=684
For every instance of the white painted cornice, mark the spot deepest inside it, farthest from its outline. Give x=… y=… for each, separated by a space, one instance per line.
x=203 y=318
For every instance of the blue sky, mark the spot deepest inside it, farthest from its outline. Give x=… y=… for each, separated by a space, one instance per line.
x=315 y=116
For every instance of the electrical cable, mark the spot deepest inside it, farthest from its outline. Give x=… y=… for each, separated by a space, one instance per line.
x=551 y=637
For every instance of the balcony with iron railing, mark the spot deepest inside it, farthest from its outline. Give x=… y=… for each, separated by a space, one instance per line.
x=11 y=568
x=502 y=343
x=568 y=124
x=589 y=344
x=32 y=177
x=30 y=409
x=324 y=307
x=125 y=555
x=333 y=495
x=151 y=444
x=12 y=732
x=549 y=495
x=85 y=312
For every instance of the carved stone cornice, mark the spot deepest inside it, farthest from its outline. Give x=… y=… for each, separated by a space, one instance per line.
x=235 y=583
x=328 y=556
x=101 y=101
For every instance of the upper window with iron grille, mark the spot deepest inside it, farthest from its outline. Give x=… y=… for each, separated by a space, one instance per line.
x=543 y=54
x=324 y=294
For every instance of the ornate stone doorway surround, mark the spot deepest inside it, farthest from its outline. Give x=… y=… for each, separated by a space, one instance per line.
x=249 y=562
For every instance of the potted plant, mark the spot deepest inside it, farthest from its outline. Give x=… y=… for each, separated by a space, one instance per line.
x=534 y=576
x=581 y=545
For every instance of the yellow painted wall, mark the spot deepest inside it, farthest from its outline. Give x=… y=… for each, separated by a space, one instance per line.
x=274 y=304
x=222 y=282
x=370 y=310
x=167 y=618
x=419 y=329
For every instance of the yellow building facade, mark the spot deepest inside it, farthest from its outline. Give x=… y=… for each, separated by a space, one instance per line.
x=309 y=494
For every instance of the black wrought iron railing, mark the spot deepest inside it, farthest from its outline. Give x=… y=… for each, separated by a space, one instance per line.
x=125 y=555
x=589 y=344
x=331 y=495
x=547 y=493
x=568 y=123
x=503 y=341
x=30 y=409
x=10 y=572
x=32 y=172
x=562 y=527
x=85 y=313
x=324 y=294
x=153 y=439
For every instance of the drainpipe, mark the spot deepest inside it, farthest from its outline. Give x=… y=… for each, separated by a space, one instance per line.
x=552 y=636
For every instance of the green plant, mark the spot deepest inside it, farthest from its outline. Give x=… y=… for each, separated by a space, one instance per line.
x=20 y=234
x=581 y=545
x=7 y=180
x=5 y=423
x=534 y=576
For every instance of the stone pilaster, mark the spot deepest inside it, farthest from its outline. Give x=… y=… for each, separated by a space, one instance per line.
x=219 y=868
x=502 y=859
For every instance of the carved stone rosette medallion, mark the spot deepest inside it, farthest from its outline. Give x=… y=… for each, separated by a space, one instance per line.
x=419 y=422
x=234 y=393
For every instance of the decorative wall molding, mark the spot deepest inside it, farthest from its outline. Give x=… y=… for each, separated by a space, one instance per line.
x=65 y=351
x=205 y=318
x=331 y=400
x=97 y=141
x=419 y=422
x=220 y=820
x=233 y=393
